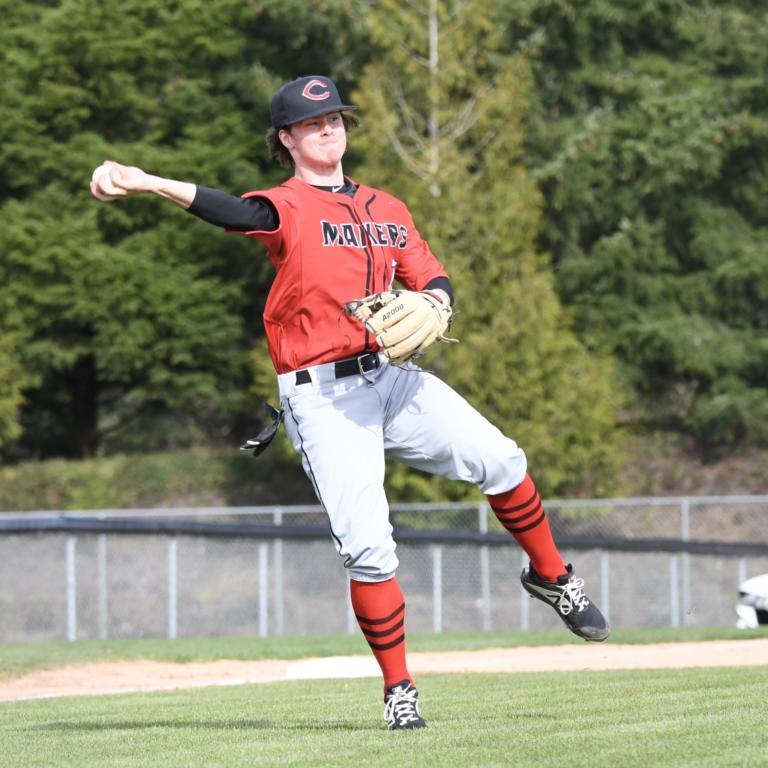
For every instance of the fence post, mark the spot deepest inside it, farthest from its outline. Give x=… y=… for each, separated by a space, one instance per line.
x=674 y=591
x=605 y=586
x=172 y=588
x=524 y=596
x=685 y=535
x=71 y=589
x=277 y=519
x=103 y=593
x=263 y=593
x=485 y=568
x=742 y=572
x=437 y=589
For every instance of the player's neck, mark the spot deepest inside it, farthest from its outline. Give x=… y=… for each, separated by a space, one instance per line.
x=321 y=177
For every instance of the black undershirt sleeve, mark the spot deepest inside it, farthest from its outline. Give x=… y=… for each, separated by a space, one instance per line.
x=234 y=213
x=442 y=283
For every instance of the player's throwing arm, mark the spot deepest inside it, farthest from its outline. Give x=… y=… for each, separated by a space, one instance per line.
x=111 y=181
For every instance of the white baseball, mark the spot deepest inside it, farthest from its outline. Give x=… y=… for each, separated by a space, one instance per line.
x=103 y=180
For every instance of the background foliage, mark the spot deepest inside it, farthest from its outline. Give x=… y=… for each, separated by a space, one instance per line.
x=136 y=319
x=457 y=157
x=593 y=174
x=649 y=140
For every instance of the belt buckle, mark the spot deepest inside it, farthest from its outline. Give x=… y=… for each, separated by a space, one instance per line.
x=366 y=356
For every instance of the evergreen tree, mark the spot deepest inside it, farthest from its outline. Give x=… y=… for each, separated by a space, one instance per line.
x=649 y=141
x=137 y=319
x=443 y=123
x=11 y=385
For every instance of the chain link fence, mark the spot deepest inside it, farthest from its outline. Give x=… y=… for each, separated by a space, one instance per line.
x=273 y=570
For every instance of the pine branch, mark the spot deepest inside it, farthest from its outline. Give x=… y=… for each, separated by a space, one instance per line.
x=408 y=114
x=406 y=157
x=411 y=54
x=466 y=119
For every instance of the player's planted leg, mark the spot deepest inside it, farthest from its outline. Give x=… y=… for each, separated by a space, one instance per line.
x=566 y=596
x=380 y=611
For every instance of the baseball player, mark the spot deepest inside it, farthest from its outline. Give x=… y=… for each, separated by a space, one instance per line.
x=357 y=294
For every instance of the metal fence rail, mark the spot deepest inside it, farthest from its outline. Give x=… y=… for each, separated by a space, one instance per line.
x=272 y=570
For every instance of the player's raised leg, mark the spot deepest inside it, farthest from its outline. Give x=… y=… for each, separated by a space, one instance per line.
x=433 y=428
x=521 y=512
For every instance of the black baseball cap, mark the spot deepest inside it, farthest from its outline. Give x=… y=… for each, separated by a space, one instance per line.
x=303 y=98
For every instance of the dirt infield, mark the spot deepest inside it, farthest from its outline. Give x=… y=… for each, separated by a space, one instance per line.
x=135 y=676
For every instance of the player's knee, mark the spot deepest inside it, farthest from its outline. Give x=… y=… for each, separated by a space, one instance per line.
x=376 y=563
x=370 y=575
x=504 y=469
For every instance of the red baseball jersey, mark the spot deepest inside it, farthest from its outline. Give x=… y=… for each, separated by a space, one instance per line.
x=330 y=249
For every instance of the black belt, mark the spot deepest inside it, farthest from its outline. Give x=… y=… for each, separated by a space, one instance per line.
x=354 y=366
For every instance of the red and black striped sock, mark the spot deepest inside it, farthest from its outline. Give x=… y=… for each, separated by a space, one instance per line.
x=379 y=607
x=521 y=512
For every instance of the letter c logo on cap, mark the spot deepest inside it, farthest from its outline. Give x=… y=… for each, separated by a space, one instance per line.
x=316 y=90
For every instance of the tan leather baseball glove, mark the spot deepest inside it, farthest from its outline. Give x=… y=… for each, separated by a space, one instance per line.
x=404 y=323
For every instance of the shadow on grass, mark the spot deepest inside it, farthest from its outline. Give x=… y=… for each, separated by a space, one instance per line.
x=222 y=725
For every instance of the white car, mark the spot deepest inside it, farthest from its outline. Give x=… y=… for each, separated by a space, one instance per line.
x=752 y=607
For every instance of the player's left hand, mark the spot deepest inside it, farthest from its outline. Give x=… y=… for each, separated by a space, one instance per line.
x=405 y=323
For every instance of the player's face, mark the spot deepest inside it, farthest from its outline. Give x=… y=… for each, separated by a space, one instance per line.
x=319 y=142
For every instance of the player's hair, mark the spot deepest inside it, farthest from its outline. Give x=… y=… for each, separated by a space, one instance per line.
x=277 y=150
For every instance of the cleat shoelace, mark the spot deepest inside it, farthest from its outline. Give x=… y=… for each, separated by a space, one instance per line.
x=572 y=597
x=402 y=707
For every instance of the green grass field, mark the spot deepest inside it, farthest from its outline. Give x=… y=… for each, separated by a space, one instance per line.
x=697 y=717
